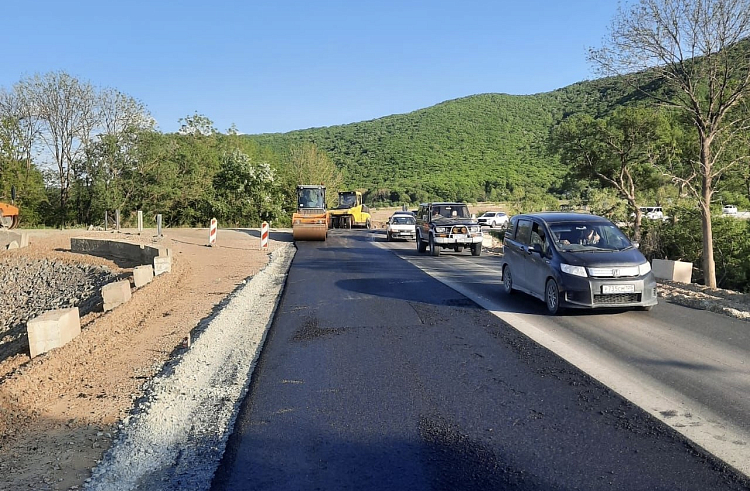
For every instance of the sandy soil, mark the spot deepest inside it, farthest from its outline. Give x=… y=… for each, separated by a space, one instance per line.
x=59 y=411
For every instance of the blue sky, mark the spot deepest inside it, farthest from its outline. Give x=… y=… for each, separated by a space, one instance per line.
x=283 y=65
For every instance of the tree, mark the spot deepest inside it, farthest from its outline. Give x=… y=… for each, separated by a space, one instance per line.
x=65 y=109
x=197 y=125
x=309 y=165
x=121 y=119
x=246 y=191
x=20 y=127
x=698 y=51
x=619 y=151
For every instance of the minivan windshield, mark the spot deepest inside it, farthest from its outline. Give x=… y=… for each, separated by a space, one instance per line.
x=582 y=236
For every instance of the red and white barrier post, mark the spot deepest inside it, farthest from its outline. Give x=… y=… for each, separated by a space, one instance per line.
x=212 y=232
x=264 y=236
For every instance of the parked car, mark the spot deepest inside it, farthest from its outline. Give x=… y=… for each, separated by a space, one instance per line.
x=653 y=212
x=493 y=219
x=729 y=210
x=447 y=225
x=575 y=260
x=401 y=225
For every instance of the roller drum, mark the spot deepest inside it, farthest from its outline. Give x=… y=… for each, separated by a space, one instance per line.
x=309 y=231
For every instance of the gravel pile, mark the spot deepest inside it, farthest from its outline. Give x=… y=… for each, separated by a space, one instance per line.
x=176 y=436
x=32 y=287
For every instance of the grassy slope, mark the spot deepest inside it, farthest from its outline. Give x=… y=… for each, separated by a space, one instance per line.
x=474 y=148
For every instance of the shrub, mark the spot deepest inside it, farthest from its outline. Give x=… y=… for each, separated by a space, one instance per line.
x=681 y=239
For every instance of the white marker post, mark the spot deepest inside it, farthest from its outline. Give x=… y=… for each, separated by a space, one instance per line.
x=212 y=232
x=264 y=236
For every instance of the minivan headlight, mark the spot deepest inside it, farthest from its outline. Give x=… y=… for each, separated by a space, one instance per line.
x=574 y=270
x=644 y=268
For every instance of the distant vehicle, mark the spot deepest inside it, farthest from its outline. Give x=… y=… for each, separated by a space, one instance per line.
x=405 y=212
x=729 y=210
x=350 y=211
x=8 y=216
x=573 y=260
x=653 y=212
x=9 y=213
x=493 y=219
x=447 y=225
x=401 y=225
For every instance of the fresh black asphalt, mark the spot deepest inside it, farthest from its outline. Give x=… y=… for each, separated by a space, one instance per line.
x=375 y=376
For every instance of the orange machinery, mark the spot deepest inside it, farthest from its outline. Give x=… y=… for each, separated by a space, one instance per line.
x=8 y=216
x=310 y=221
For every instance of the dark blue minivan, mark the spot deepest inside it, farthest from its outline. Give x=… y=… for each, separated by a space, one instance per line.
x=575 y=260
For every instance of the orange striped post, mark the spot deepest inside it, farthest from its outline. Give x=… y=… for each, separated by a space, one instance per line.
x=264 y=236
x=212 y=232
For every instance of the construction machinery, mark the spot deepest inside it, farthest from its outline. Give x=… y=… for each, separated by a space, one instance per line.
x=8 y=216
x=310 y=222
x=9 y=213
x=350 y=212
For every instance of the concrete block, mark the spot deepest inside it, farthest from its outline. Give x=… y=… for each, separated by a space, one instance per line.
x=52 y=330
x=142 y=275
x=679 y=271
x=13 y=240
x=125 y=254
x=162 y=264
x=115 y=294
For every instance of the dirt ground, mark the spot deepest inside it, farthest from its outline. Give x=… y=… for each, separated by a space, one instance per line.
x=59 y=411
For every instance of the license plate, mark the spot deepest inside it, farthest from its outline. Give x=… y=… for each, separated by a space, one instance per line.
x=459 y=236
x=618 y=288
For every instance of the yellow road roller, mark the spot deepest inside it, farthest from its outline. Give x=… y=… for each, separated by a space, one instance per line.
x=350 y=211
x=310 y=222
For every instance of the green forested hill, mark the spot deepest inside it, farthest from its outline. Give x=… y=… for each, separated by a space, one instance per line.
x=481 y=147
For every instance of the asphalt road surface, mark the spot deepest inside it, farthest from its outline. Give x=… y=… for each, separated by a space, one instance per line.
x=377 y=376
x=689 y=368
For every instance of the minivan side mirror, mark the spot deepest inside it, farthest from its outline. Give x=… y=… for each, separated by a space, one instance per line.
x=536 y=248
x=636 y=244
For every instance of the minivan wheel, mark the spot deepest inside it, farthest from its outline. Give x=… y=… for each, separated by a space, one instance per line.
x=552 y=297
x=434 y=248
x=507 y=280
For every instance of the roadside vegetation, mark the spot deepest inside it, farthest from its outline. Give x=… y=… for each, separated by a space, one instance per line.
x=667 y=124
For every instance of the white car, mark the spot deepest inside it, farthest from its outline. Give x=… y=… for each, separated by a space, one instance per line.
x=401 y=225
x=494 y=219
x=653 y=212
x=729 y=210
